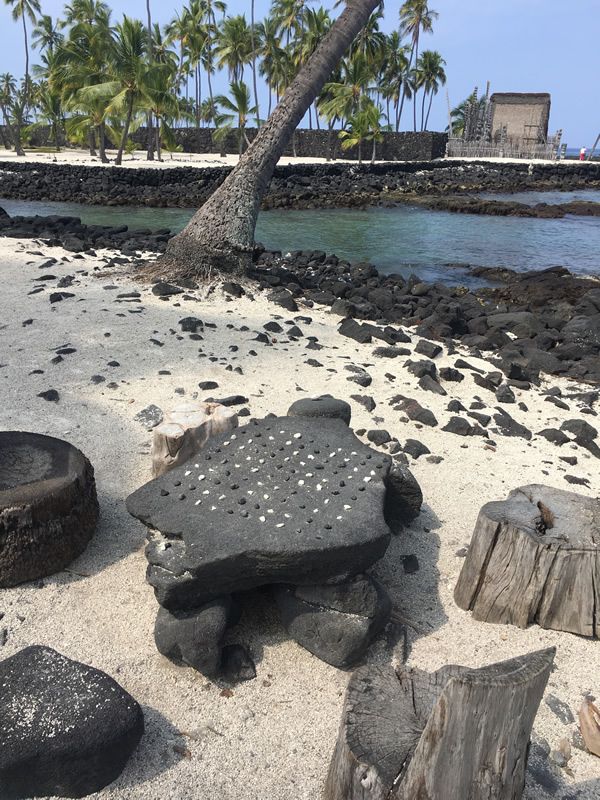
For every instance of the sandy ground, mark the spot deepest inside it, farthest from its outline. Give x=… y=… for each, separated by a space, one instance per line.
x=138 y=159
x=273 y=737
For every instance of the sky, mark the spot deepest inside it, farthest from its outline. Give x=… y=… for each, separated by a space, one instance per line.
x=518 y=45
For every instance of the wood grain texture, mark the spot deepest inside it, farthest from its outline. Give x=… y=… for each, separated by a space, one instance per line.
x=184 y=432
x=454 y=733
x=535 y=557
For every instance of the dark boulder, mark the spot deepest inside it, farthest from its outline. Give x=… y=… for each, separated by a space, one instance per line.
x=66 y=729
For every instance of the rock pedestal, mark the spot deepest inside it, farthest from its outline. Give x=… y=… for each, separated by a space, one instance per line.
x=48 y=505
x=66 y=729
x=293 y=501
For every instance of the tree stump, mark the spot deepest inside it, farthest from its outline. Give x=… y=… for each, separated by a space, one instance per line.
x=535 y=557
x=455 y=733
x=48 y=505
x=184 y=432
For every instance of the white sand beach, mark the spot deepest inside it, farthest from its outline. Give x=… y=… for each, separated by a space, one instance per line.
x=137 y=159
x=270 y=738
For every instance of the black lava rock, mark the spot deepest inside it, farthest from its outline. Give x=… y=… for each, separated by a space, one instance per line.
x=325 y=406
x=404 y=498
x=66 y=729
x=427 y=348
x=415 y=448
x=194 y=637
x=337 y=623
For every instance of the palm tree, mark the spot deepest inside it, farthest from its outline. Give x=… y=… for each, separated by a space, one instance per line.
x=50 y=111
x=430 y=75
x=234 y=49
x=46 y=34
x=237 y=106
x=317 y=23
x=271 y=54
x=82 y=62
x=345 y=96
x=363 y=126
x=253 y=41
x=211 y=29
x=221 y=234
x=162 y=101
x=415 y=17
x=8 y=90
x=128 y=69
x=14 y=101
x=21 y=10
x=89 y=11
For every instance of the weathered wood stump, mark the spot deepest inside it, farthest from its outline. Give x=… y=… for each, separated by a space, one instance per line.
x=456 y=733
x=185 y=430
x=535 y=557
x=48 y=505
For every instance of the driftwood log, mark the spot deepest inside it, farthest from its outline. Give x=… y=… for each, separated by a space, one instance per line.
x=535 y=557
x=48 y=505
x=185 y=430
x=456 y=733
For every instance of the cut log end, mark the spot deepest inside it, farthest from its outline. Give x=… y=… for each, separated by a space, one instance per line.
x=413 y=734
x=535 y=557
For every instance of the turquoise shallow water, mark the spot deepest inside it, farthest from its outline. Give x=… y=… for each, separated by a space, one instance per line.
x=404 y=239
x=531 y=198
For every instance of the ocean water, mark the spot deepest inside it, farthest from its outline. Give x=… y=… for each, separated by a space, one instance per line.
x=407 y=239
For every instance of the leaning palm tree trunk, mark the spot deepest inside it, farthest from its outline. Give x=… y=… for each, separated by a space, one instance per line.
x=221 y=234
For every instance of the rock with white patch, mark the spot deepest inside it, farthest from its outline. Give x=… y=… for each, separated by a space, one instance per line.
x=66 y=729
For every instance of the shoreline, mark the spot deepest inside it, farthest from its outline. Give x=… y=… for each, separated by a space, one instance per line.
x=273 y=736
x=529 y=322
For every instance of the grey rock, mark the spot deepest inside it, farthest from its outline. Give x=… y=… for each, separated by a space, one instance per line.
x=354 y=330
x=420 y=368
x=504 y=394
x=458 y=425
x=555 y=436
x=359 y=376
x=417 y=413
x=581 y=429
x=162 y=289
x=150 y=417
x=450 y=374
x=429 y=384
x=560 y=709
x=427 y=348
x=379 y=437
x=510 y=427
x=391 y=352
x=364 y=400
x=191 y=324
